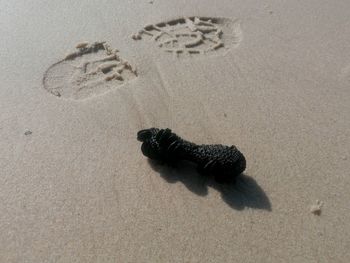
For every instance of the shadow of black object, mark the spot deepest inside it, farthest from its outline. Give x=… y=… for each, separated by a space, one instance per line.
x=245 y=192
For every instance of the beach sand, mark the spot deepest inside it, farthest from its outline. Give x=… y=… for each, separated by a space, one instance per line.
x=271 y=77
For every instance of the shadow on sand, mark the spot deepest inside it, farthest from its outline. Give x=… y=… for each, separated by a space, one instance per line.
x=244 y=193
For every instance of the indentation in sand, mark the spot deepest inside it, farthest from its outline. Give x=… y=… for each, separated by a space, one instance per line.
x=91 y=70
x=317 y=208
x=193 y=35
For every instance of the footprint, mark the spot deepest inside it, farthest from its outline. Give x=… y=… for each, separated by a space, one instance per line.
x=193 y=35
x=91 y=70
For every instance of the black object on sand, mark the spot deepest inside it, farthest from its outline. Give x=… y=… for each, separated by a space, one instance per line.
x=225 y=163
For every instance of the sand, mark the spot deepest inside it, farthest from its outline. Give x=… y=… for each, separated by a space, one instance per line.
x=74 y=186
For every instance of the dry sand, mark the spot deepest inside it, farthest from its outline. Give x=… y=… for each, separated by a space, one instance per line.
x=74 y=186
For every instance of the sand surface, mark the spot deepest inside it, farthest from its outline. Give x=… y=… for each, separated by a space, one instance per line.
x=271 y=77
